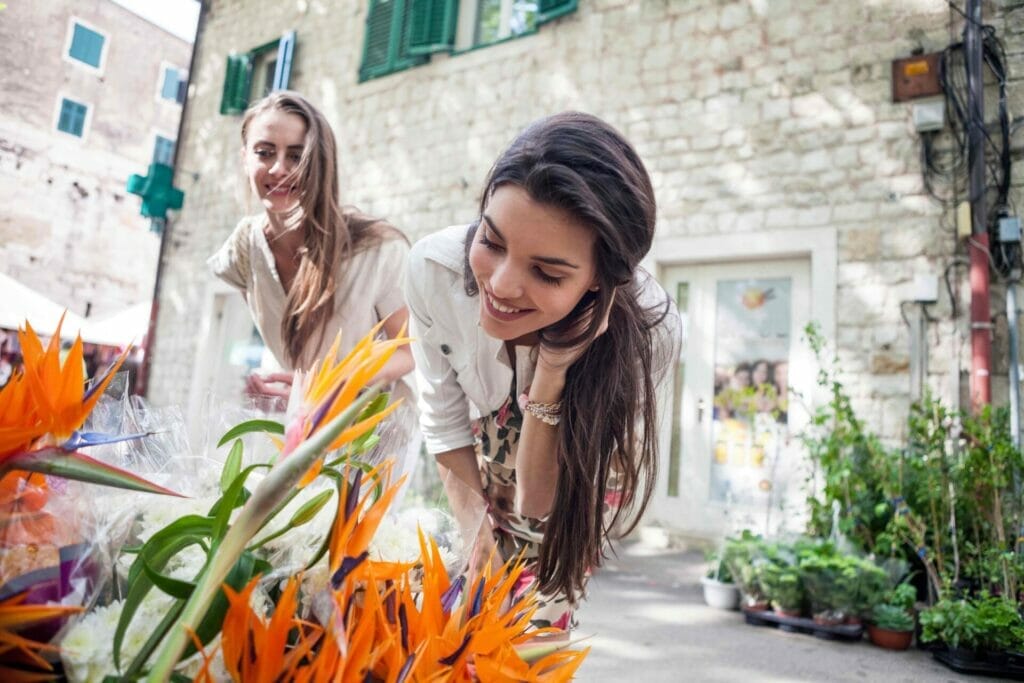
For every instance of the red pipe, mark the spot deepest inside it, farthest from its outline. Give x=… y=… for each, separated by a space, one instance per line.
x=981 y=323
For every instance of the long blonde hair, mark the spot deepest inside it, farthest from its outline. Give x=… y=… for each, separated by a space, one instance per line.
x=331 y=234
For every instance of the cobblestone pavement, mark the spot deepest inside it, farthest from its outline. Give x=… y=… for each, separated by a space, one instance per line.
x=647 y=622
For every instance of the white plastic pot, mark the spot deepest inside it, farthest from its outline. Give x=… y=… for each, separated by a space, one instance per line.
x=720 y=595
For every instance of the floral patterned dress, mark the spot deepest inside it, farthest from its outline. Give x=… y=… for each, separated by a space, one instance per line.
x=497 y=439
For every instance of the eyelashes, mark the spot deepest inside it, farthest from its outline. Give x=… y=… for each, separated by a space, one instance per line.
x=537 y=272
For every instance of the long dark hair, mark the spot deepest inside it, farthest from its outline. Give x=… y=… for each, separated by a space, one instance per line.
x=608 y=432
x=331 y=232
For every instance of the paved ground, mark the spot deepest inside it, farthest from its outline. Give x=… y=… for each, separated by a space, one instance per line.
x=649 y=623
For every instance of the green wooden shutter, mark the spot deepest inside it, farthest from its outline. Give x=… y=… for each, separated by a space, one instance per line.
x=237 y=80
x=431 y=25
x=377 y=45
x=549 y=10
x=283 y=68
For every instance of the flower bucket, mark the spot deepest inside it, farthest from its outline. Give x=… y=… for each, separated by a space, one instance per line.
x=720 y=595
x=890 y=640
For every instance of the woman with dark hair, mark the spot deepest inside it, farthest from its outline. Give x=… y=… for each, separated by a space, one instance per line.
x=540 y=344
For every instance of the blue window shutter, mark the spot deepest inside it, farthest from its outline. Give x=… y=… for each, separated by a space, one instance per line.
x=549 y=10
x=72 y=117
x=237 y=81
x=169 y=91
x=179 y=96
x=431 y=25
x=283 y=70
x=163 y=151
x=86 y=46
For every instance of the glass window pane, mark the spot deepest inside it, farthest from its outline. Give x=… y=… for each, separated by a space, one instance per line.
x=86 y=46
x=675 y=456
x=752 y=347
x=488 y=22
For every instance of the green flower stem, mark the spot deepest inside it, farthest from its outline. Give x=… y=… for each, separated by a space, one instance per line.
x=278 y=484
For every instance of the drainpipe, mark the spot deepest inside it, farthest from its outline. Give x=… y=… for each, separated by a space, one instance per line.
x=142 y=383
x=981 y=322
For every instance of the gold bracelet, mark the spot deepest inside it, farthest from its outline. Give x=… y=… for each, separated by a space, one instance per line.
x=548 y=413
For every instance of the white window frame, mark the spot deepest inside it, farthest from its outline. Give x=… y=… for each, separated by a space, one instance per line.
x=152 y=141
x=66 y=54
x=86 y=125
x=159 y=94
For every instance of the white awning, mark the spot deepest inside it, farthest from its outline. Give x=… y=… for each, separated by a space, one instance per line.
x=121 y=329
x=19 y=303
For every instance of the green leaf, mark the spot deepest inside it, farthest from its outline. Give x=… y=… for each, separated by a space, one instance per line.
x=232 y=498
x=232 y=466
x=173 y=587
x=267 y=426
x=73 y=465
x=156 y=553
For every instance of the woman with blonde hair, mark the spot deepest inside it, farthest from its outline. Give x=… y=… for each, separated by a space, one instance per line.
x=307 y=266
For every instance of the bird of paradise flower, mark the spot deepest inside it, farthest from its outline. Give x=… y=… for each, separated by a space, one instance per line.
x=42 y=409
x=384 y=626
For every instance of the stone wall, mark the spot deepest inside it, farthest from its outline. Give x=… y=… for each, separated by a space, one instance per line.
x=67 y=227
x=752 y=115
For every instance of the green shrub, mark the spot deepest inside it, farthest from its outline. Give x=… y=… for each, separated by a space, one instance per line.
x=892 y=617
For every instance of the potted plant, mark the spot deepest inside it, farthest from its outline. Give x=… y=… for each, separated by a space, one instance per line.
x=868 y=587
x=827 y=591
x=738 y=555
x=891 y=627
x=985 y=628
x=783 y=587
x=720 y=591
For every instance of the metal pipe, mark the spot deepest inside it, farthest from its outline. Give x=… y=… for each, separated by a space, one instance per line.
x=981 y=325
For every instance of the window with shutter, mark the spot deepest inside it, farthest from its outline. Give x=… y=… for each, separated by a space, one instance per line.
x=257 y=73
x=72 y=117
x=431 y=25
x=386 y=45
x=173 y=83
x=163 y=151
x=86 y=45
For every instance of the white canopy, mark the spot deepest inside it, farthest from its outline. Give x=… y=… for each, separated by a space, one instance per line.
x=19 y=303
x=121 y=329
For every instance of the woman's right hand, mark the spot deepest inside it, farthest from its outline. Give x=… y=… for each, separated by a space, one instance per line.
x=270 y=392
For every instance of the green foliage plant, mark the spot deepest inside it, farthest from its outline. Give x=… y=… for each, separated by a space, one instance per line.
x=892 y=618
x=988 y=623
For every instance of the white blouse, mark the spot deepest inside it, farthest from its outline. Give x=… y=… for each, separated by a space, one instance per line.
x=462 y=372
x=369 y=288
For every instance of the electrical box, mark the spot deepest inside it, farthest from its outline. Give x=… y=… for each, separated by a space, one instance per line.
x=1009 y=229
x=916 y=76
x=929 y=115
x=924 y=289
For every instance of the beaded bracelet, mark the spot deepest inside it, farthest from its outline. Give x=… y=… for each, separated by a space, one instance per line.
x=548 y=413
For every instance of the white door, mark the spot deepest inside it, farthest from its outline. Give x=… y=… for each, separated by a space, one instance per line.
x=733 y=460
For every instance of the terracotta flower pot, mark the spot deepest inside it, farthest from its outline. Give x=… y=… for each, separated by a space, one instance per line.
x=890 y=640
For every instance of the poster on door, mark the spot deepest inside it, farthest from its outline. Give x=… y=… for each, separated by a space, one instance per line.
x=750 y=409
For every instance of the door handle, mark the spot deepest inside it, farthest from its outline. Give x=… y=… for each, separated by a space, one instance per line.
x=701 y=405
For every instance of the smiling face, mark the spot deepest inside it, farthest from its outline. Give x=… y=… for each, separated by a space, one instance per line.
x=274 y=142
x=532 y=263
